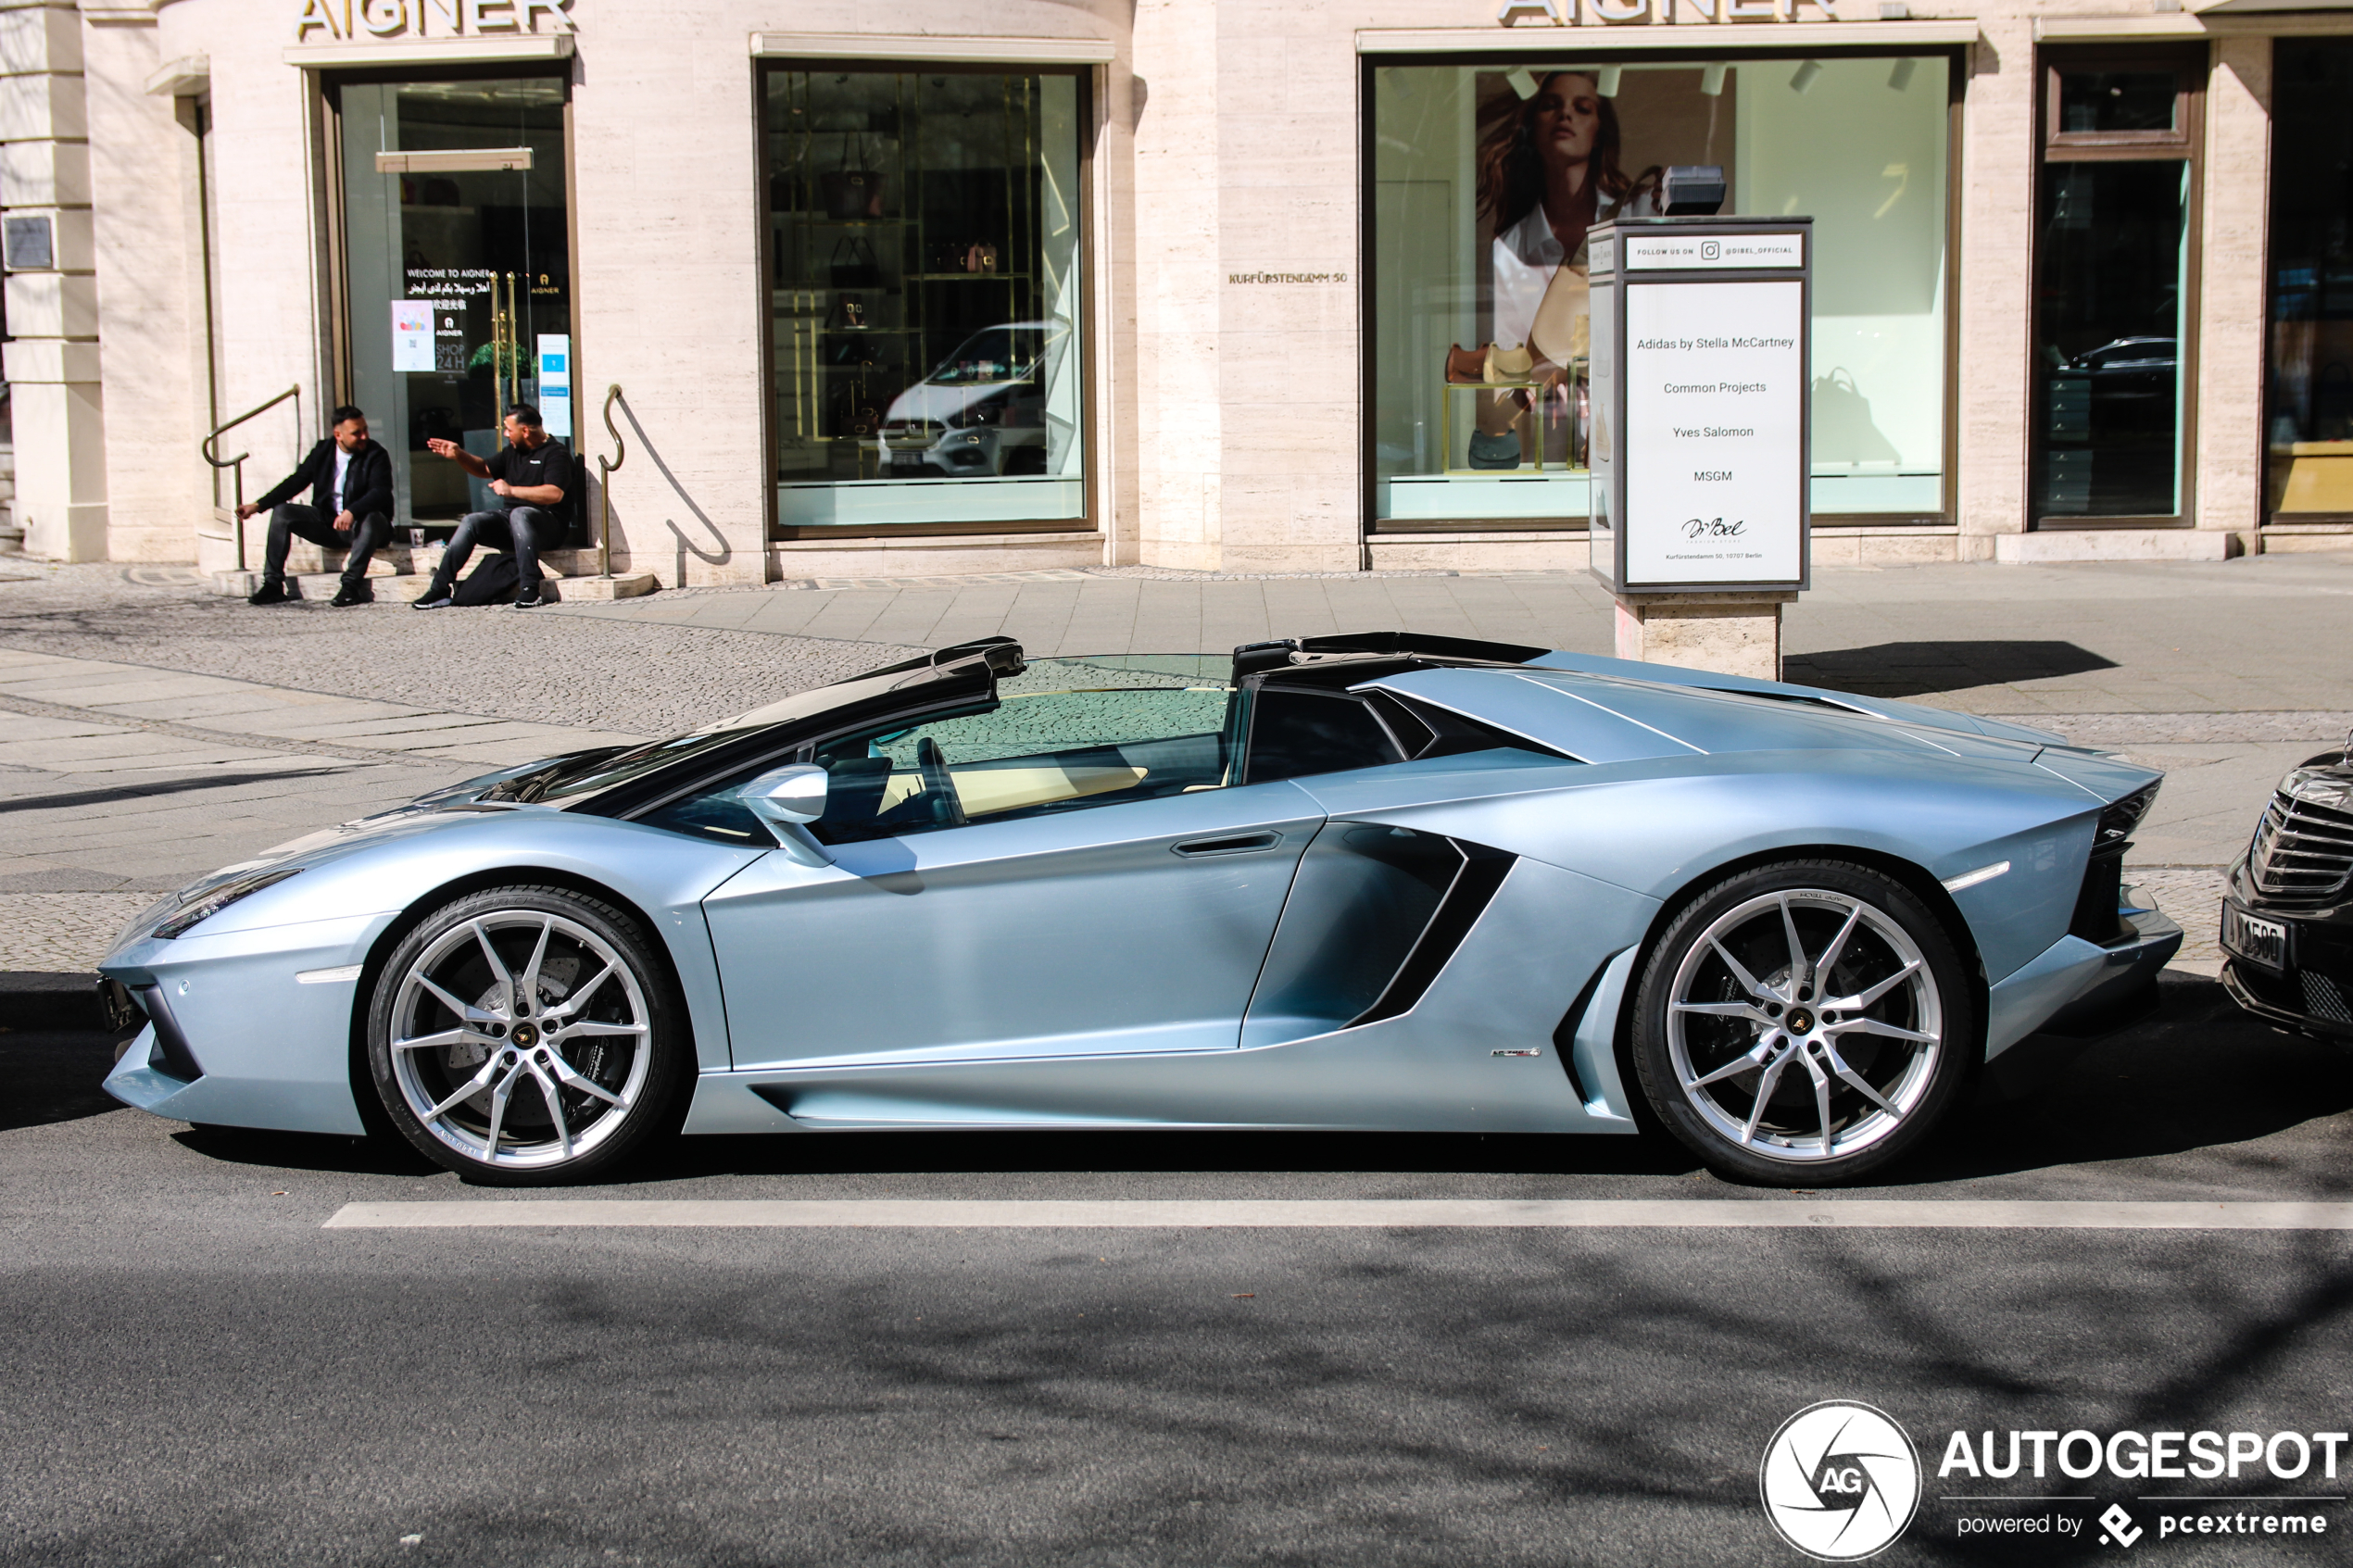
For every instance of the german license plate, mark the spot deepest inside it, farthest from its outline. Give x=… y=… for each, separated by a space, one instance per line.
x=2258 y=941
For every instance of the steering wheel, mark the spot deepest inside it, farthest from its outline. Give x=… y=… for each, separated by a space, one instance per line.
x=946 y=810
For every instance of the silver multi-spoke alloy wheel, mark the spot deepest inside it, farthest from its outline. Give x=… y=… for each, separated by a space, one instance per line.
x=1803 y=1018
x=519 y=1036
x=1807 y=1018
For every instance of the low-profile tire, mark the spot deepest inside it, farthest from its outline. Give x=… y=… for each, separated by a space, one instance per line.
x=553 y=1009
x=1803 y=1024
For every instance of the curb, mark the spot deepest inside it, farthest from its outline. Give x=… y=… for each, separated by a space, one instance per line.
x=35 y=999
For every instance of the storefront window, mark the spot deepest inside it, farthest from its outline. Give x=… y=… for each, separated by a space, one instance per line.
x=924 y=236
x=2311 y=467
x=1486 y=178
x=2113 y=286
x=2114 y=269
x=459 y=247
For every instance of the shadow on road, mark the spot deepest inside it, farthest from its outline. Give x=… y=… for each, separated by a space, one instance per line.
x=52 y=1076
x=2198 y=1074
x=1900 y=670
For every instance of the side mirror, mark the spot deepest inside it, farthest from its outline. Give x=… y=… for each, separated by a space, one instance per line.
x=793 y=795
x=788 y=799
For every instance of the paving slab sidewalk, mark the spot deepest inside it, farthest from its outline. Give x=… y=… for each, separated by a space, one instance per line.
x=119 y=781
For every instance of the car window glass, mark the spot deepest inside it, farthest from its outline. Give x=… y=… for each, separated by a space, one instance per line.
x=1294 y=734
x=1030 y=754
x=719 y=815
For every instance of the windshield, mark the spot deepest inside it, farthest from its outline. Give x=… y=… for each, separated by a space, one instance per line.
x=594 y=772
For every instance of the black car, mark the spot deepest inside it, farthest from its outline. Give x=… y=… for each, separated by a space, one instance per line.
x=2287 y=912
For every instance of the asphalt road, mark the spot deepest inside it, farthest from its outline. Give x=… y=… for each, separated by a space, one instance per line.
x=197 y=1373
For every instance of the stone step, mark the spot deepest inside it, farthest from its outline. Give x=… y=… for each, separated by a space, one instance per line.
x=407 y=587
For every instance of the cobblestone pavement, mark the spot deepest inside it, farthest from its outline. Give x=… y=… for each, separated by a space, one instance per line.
x=2223 y=674
x=62 y=932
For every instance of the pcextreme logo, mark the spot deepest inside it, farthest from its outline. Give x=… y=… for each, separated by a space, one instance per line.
x=1839 y=1481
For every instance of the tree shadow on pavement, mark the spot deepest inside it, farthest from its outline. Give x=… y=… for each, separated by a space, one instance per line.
x=1900 y=670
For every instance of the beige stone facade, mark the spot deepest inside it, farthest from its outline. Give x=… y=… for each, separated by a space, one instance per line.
x=1224 y=420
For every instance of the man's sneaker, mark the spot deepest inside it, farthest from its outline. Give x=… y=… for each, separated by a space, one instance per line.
x=433 y=599
x=532 y=603
x=353 y=594
x=267 y=593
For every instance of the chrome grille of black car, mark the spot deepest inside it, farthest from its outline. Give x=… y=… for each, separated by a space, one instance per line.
x=2302 y=851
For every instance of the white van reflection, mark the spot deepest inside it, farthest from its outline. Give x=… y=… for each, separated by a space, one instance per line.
x=982 y=411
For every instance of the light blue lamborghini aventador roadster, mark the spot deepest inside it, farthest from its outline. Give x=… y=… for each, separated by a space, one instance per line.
x=1364 y=882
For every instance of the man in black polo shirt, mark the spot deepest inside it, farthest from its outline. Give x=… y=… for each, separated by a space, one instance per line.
x=535 y=476
x=350 y=481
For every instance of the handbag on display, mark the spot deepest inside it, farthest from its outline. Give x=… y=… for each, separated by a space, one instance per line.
x=1513 y=364
x=854 y=264
x=1499 y=451
x=1562 y=328
x=852 y=192
x=980 y=257
x=848 y=314
x=859 y=351
x=1466 y=366
x=853 y=411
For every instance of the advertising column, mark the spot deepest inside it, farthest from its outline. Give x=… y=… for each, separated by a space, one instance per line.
x=1701 y=433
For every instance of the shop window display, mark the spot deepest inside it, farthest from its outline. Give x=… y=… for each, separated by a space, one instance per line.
x=2309 y=470
x=924 y=236
x=2113 y=286
x=1487 y=180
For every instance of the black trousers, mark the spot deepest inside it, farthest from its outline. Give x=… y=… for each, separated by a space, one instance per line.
x=367 y=536
x=524 y=530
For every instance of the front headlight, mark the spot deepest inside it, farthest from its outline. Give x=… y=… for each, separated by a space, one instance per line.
x=210 y=901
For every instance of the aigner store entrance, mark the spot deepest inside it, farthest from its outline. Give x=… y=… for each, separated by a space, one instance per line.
x=454 y=200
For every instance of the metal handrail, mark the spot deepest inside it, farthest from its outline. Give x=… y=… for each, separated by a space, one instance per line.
x=604 y=482
x=211 y=453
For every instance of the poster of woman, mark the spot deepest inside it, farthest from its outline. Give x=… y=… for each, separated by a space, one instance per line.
x=1551 y=164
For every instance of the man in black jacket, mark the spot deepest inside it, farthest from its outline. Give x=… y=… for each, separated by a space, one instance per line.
x=350 y=480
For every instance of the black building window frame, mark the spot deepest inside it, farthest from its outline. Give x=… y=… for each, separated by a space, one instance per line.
x=1087 y=87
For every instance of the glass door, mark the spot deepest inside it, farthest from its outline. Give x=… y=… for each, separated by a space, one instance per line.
x=457 y=247
x=2115 y=289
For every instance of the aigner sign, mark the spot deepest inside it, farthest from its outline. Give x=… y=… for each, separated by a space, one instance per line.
x=340 y=19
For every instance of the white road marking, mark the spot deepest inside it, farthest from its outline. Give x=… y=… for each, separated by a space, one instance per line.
x=1348 y=1213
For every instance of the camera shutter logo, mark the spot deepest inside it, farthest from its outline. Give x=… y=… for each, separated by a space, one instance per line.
x=1839 y=1481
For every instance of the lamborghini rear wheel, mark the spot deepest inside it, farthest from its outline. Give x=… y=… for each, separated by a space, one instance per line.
x=525 y=1034
x=1803 y=1024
